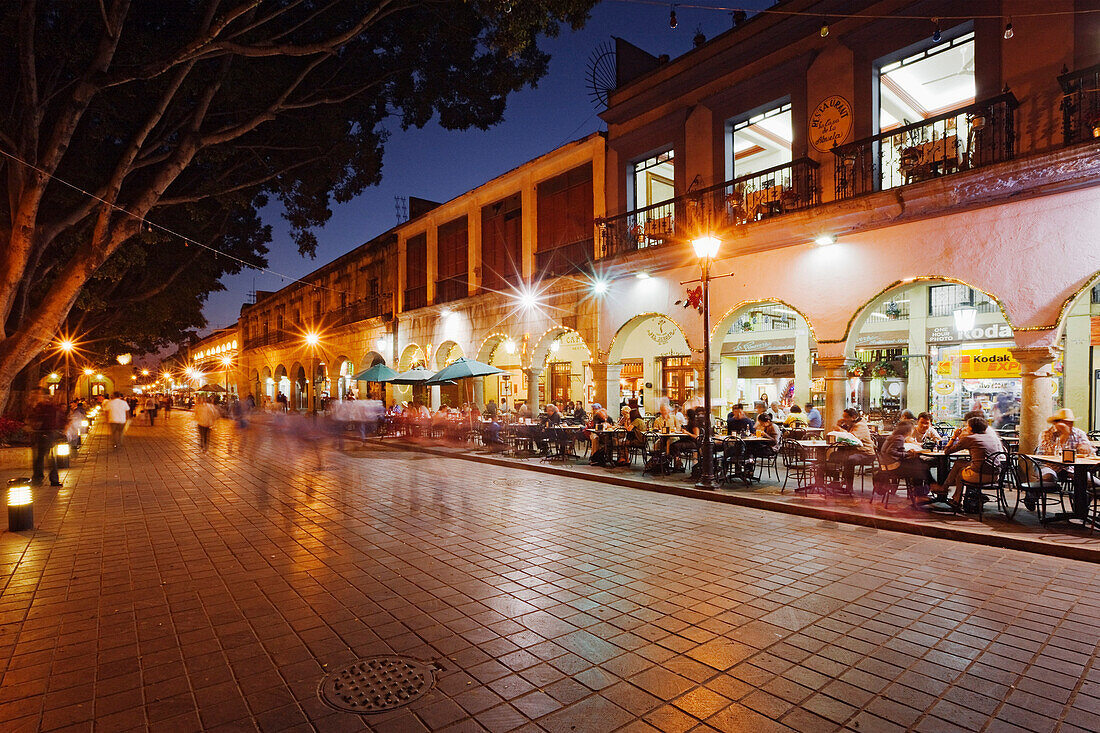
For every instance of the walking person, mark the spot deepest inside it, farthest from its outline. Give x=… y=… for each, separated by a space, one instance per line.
x=151 y=409
x=46 y=421
x=205 y=417
x=117 y=409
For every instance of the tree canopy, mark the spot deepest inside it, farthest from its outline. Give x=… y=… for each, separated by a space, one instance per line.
x=125 y=119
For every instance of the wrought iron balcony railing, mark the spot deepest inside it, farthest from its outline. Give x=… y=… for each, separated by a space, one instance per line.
x=453 y=288
x=370 y=307
x=1080 y=104
x=970 y=137
x=772 y=192
x=416 y=297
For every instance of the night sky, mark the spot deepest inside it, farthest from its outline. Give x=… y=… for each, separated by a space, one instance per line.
x=439 y=165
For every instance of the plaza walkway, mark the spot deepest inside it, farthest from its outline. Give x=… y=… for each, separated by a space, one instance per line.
x=174 y=590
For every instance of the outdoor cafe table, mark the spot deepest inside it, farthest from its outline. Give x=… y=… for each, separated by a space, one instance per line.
x=1083 y=469
x=942 y=461
x=608 y=439
x=561 y=440
x=818 y=448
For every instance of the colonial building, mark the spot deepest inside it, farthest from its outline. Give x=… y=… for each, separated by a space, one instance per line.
x=906 y=201
x=215 y=360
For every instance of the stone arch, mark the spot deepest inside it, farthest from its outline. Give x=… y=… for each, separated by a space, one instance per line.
x=412 y=354
x=625 y=331
x=493 y=350
x=281 y=383
x=542 y=349
x=445 y=353
x=907 y=352
x=370 y=359
x=489 y=345
x=762 y=347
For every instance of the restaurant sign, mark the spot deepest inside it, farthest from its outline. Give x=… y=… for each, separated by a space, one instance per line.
x=830 y=123
x=940 y=334
x=996 y=363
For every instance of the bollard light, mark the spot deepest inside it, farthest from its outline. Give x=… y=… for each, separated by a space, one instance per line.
x=62 y=451
x=20 y=505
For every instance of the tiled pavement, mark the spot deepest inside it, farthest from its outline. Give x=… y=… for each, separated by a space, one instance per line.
x=179 y=591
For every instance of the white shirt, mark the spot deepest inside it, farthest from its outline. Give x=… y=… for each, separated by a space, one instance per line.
x=116 y=410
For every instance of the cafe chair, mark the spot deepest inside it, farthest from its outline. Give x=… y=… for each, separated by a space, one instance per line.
x=1027 y=474
x=739 y=464
x=991 y=477
x=796 y=464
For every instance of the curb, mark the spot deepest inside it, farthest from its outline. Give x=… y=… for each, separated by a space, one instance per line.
x=958 y=534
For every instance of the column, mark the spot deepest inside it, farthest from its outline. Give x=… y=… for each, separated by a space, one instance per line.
x=433 y=260
x=729 y=374
x=1076 y=374
x=606 y=377
x=533 y=374
x=436 y=398
x=802 y=366
x=479 y=392
x=473 y=248
x=836 y=386
x=916 y=387
x=1037 y=388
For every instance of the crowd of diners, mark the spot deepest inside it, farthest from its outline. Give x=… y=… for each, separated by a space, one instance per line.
x=933 y=461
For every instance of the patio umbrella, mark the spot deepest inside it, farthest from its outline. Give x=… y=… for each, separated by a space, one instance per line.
x=463 y=368
x=377 y=373
x=416 y=375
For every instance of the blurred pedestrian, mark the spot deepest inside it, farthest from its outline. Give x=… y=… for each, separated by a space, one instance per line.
x=206 y=415
x=151 y=409
x=46 y=422
x=116 y=409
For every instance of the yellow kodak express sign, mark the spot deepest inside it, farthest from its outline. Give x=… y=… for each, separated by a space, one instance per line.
x=987 y=364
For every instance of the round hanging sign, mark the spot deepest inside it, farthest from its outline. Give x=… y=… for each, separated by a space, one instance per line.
x=830 y=123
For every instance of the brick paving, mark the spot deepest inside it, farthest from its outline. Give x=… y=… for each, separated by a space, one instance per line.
x=171 y=590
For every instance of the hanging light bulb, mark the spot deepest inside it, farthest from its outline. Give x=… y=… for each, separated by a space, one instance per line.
x=672 y=22
x=936 y=35
x=1009 y=33
x=824 y=29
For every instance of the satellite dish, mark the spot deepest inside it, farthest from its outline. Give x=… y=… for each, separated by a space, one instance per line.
x=601 y=74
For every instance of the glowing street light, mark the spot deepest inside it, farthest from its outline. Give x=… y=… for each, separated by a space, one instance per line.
x=312 y=339
x=706 y=249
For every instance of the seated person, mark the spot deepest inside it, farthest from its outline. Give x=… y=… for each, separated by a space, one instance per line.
x=1061 y=435
x=899 y=462
x=796 y=418
x=664 y=423
x=690 y=442
x=765 y=428
x=980 y=441
x=847 y=459
x=551 y=417
x=923 y=432
x=579 y=415
x=600 y=418
x=813 y=416
x=737 y=422
x=631 y=419
x=493 y=441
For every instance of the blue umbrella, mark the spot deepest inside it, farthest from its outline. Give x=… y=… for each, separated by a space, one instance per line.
x=377 y=373
x=463 y=368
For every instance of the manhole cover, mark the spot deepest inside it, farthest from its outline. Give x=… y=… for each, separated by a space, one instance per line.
x=377 y=684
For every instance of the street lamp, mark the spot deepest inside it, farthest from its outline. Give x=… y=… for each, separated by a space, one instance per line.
x=706 y=249
x=226 y=362
x=312 y=339
x=67 y=346
x=88 y=373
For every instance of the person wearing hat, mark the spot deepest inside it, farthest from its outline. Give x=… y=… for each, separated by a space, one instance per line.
x=1062 y=434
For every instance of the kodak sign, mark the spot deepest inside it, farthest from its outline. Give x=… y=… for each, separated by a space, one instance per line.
x=987 y=364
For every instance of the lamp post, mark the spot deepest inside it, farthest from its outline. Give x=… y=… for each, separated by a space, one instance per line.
x=227 y=361
x=706 y=249
x=88 y=373
x=312 y=339
x=66 y=345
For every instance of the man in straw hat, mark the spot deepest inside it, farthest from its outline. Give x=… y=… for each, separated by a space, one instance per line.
x=1062 y=434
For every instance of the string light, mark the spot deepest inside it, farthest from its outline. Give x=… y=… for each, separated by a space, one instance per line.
x=1009 y=33
x=672 y=22
x=824 y=28
x=149 y=226
x=936 y=35
x=862 y=16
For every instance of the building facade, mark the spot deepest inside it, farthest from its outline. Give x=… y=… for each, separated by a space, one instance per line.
x=907 y=211
x=215 y=360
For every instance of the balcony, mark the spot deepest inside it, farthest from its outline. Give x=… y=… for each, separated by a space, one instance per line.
x=1081 y=104
x=270 y=338
x=416 y=298
x=565 y=259
x=970 y=137
x=453 y=288
x=370 y=307
x=772 y=192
